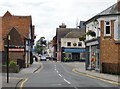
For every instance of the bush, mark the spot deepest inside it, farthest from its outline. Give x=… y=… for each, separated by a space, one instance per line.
x=66 y=59
x=12 y=63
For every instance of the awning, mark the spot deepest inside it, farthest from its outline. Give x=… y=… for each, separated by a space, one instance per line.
x=74 y=50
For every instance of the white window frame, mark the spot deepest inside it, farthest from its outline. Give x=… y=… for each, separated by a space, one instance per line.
x=105 y=28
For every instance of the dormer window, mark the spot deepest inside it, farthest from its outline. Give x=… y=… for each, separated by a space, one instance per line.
x=107 y=31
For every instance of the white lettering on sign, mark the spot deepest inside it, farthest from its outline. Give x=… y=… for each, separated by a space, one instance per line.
x=92 y=43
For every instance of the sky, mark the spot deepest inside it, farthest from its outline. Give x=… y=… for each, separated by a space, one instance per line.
x=47 y=15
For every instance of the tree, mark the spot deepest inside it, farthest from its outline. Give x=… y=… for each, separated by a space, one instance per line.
x=40 y=45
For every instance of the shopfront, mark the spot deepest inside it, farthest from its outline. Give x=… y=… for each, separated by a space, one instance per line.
x=73 y=54
x=93 y=55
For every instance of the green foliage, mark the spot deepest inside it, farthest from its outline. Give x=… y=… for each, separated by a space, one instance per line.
x=66 y=59
x=12 y=63
x=40 y=44
x=74 y=44
x=92 y=33
x=82 y=38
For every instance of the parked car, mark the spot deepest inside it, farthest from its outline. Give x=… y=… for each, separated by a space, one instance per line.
x=43 y=58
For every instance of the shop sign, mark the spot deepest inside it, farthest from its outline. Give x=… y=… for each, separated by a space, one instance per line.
x=92 y=43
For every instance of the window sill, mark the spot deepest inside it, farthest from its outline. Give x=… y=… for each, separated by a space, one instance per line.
x=107 y=37
x=117 y=41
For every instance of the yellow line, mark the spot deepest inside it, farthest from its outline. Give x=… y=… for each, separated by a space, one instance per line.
x=21 y=86
x=84 y=74
x=23 y=82
x=40 y=68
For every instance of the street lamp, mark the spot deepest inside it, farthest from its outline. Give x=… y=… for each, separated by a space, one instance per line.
x=8 y=39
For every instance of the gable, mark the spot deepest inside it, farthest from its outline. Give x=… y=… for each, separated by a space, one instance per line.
x=15 y=38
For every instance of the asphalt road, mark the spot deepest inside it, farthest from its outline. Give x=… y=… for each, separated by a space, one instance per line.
x=55 y=74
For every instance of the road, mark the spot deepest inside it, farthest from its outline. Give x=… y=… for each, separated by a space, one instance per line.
x=55 y=74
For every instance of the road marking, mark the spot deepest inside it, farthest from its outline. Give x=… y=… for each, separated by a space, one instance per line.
x=57 y=71
x=60 y=75
x=25 y=80
x=41 y=67
x=57 y=84
x=67 y=81
x=84 y=74
x=21 y=86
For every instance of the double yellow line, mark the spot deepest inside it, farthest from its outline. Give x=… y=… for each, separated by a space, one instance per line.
x=102 y=79
x=25 y=80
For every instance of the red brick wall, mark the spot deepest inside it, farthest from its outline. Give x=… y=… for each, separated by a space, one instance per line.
x=1 y=46
x=22 y=24
x=16 y=55
x=108 y=49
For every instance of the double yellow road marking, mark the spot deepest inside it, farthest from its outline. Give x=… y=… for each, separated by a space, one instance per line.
x=105 y=80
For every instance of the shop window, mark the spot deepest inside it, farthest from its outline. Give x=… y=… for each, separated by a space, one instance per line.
x=107 y=31
x=68 y=43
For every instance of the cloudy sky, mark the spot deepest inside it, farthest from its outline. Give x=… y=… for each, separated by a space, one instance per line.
x=47 y=15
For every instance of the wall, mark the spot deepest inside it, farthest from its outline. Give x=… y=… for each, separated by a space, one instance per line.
x=93 y=27
x=1 y=45
x=72 y=40
x=108 y=49
x=16 y=55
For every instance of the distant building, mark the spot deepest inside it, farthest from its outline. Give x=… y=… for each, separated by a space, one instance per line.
x=103 y=49
x=72 y=48
x=54 y=42
x=21 y=33
x=62 y=34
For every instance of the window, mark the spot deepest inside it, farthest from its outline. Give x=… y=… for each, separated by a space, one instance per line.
x=107 y=31
x=79 y=43
x=68 y=43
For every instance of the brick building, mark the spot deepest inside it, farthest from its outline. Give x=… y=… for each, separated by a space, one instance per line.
x=106 y=26
x=21 y=32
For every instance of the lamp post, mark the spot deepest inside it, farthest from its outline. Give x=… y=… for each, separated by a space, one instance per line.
x=8 y=39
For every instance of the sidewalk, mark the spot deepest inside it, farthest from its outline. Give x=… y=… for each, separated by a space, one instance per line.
x=80 y=68
x=15 y=78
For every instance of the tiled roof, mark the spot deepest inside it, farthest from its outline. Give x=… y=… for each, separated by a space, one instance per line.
x=112 y=10
x=75 y=33
x=21 y=23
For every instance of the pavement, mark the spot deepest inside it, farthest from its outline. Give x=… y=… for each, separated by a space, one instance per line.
x=79 y=67
x=15 y=78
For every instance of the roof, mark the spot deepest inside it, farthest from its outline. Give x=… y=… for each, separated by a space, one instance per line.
x=68 y=32
x=112 y=10
x=21 y=23
x=75 y=33
x=7 y=14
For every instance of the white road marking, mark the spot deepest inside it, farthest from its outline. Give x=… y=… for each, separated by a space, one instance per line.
x=67 y=81
x=57 y=71
x=57 y=84
x=60 y=75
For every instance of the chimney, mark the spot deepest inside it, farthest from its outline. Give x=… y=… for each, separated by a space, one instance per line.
x=118 y=3
x=62 y=26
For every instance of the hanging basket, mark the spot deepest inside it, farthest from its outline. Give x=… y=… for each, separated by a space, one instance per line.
x=74 y=44
x=92 y=33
